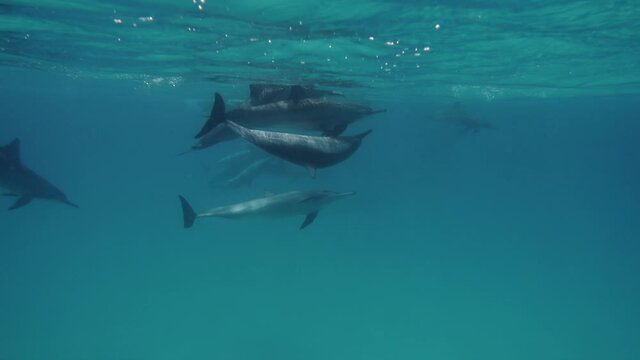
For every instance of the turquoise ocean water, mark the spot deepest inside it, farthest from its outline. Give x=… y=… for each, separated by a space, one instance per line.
x=519 y=242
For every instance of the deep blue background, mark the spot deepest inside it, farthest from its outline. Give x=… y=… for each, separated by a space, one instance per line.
x=519 y=243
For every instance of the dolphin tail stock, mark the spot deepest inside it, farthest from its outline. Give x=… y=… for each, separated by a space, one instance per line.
x=216 y=117
x=188 y=214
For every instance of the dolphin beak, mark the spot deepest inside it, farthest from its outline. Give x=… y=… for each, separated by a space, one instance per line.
x=345 y=194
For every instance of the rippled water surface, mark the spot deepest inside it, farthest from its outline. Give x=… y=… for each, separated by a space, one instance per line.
x=481 y=48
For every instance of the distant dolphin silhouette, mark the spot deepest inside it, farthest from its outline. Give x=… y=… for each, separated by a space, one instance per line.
x=22 y=182
x=306 y=203
x=312 y=152
x=457 y=116
x=261 y=94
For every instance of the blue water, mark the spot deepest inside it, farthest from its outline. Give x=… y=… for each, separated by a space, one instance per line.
x=519 y=242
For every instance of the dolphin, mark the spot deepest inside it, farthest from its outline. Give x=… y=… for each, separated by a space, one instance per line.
x=456 y=115
x=292 y=203
x=312 y=152
x=261 y=94
x=23 y=182
x=323 y=115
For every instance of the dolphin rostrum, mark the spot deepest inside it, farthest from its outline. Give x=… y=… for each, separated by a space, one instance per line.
x=312 y=152
x=292 y=203
x=23 y=182
x=323 y=115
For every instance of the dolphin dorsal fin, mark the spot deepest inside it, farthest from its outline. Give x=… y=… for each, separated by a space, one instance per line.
x=11 y=152
x=216 y=117
x=296 y=93
x=255 y=91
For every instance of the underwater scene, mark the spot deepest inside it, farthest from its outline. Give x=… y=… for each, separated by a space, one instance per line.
x=277 y=179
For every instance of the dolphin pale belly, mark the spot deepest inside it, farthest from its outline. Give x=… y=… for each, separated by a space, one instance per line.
x=312 y=152
x=292 y=203
x=314 y=114
x=329 y=117
x=24 y=183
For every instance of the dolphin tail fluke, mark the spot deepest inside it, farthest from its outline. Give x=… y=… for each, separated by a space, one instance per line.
x=188 y=215
x=216 y=117
x=22 y=201
x=309 y=219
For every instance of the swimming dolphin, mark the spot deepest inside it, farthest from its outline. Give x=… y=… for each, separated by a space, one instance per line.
x=456 y=115
x=22 y=182
x=312 y=152
x=306 y=203
x=324 y=115
x=260 y=94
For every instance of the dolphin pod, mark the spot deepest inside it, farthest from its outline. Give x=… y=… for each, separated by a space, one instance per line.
x=293 y=108
x=265 y=121
x=276 y=121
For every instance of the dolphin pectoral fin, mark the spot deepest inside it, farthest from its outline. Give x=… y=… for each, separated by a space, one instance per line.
x=312 y=171
x=185 y=152
x=22 y=201
x=216 y=117
x=188 y=215
x=359 y=137
x=309 y=219
x=336 y=131
x=67 y=202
